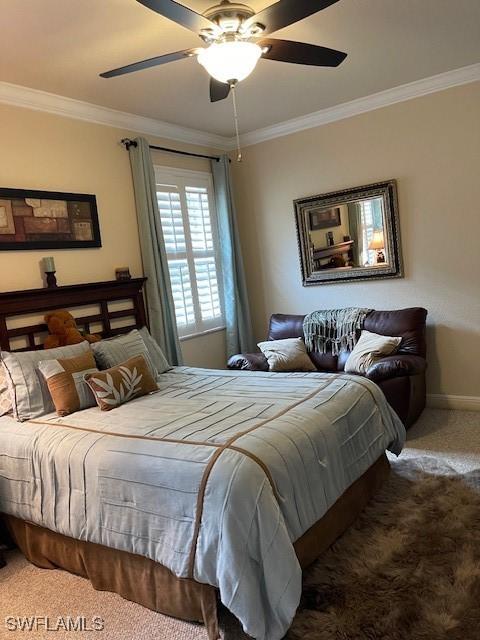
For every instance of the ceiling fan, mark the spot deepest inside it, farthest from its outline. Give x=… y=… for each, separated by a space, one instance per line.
x=234 y=37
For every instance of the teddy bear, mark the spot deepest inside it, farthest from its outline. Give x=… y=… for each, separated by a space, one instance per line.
x=63 y=330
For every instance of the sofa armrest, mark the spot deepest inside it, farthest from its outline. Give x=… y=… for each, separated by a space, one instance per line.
x=396 y=366
x=248 y=362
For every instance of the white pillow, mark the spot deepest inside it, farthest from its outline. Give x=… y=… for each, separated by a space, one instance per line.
x=289 y=354
x=29 y=392
x=370 y=348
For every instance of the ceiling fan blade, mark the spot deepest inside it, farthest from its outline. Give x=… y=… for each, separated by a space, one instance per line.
x=301 y=53
x=286 y=12
x=218 y=90
x=150 y=62
x=180 y=14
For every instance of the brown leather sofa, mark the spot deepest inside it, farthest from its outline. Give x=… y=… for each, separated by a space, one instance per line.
x=401 y=376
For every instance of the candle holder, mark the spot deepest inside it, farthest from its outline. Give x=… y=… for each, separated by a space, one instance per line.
x=51 y=280
x=48 y=264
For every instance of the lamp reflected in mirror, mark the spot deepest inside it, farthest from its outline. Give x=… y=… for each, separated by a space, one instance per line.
x=377 y=243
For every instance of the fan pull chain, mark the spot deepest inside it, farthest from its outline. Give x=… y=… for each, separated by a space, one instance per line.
x=235 y=116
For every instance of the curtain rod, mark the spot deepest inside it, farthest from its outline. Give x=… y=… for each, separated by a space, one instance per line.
x=131 y=143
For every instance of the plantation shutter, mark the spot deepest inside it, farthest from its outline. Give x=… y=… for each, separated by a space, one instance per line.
x=186 y=206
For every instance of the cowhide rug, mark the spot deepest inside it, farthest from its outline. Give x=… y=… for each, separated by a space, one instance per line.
x=409 y=569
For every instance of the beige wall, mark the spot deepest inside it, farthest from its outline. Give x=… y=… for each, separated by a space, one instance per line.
x=431 y=145
x=43 y=151
x=48 y=152
x=206 y=351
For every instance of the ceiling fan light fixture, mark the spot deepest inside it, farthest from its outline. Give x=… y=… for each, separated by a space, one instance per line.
x=230 y=61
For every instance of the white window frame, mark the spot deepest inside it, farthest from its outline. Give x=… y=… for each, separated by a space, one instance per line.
x=367 y=230
x=183 y=178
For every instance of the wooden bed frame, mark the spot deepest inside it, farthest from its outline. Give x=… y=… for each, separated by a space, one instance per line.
x=135 y=577
x=38 y=301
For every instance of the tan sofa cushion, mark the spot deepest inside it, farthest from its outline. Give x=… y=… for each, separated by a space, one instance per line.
x=289 y=354
x=370 y=348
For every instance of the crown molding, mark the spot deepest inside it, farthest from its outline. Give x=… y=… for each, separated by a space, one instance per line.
x=404 y=92
x=20 y=96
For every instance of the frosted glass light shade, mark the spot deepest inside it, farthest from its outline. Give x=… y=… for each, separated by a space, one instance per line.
x=377 y=241
x=228 y=61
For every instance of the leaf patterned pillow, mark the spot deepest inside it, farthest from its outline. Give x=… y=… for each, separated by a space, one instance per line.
x=122 y=383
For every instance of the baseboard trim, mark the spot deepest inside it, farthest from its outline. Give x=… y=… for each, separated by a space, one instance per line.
x=445 y=401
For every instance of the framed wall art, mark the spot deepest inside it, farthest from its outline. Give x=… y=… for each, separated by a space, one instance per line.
x=47 y=220
x=324 y=218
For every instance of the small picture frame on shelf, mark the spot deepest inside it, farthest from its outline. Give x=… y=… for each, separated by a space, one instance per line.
x=122 y=274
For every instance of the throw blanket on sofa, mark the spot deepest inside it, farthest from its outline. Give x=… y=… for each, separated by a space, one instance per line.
x=335 y=328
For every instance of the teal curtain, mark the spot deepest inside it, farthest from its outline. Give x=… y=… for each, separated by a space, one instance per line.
x=236 y=307
x=356 y=233
x=377 y=214
x=160 y=306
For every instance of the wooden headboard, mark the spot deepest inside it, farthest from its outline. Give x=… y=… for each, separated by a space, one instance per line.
x=98 y=295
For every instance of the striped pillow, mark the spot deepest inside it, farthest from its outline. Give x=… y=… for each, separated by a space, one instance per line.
x=154 y=350
x=112 y=352
x=30 y=395
x=5 y=394
x=65 y=380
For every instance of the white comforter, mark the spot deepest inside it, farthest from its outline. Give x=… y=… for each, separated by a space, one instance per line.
x=154 y=476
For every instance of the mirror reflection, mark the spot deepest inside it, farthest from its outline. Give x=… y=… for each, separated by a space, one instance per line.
x=347 y=236
x=350 y=234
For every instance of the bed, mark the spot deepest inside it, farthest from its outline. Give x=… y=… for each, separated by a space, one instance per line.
x=221 y=486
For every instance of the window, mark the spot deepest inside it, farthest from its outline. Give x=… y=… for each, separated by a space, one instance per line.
x=371 y=220
x=187 y=213
x=367 y=231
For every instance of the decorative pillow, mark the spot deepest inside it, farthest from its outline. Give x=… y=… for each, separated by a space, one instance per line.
x=30 y=395
x=5 y=394
x=112 y=352
x=122 y=383
x=289 y=354
x=154 y=350
x=370 y=348
x=65 y=380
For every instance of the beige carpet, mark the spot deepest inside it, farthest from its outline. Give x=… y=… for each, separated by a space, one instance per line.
x=452 y=437
x=448 y=438
x=28 y=591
